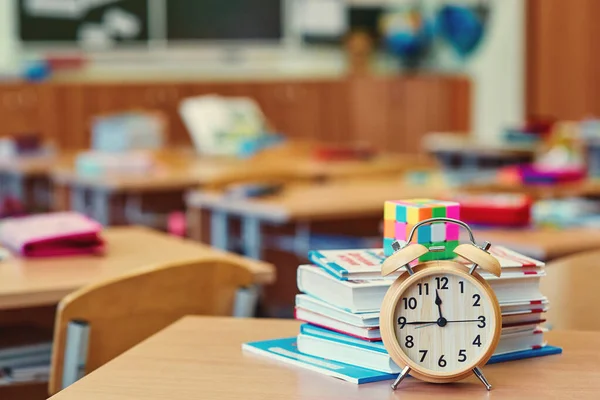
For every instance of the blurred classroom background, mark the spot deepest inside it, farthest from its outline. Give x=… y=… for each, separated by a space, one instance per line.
x=146 y=133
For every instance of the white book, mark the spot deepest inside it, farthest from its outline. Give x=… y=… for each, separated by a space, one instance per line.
x=373 y=355
x=367 y=295
x=365 y=264
x=366 y=326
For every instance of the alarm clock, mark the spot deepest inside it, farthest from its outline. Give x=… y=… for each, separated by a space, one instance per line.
x=440 y=320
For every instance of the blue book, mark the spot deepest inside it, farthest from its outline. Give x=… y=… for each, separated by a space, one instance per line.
x=336 y=346
x=286 y=350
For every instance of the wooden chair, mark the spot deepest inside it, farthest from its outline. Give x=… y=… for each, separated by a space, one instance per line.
x=572 y=285
x=122 y=312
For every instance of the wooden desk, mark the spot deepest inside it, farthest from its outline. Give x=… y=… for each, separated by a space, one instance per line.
x=201 y=358
x=300 y=203
x=26 y=179
x=36 y=282
x=119 y=198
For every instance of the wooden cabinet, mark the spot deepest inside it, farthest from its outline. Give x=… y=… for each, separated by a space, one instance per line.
x=26 y=108
x=390 y=113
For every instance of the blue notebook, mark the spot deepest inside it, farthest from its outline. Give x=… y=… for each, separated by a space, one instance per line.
x=286 y=350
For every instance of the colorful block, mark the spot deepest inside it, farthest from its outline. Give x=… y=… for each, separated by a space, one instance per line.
x=400 y=216
x=452 y=232
x=389 y=211
x=438 y=232
x=389 y=228
x=400 y=232
x=387 y=246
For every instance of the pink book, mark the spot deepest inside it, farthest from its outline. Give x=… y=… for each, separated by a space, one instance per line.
x=53 y=234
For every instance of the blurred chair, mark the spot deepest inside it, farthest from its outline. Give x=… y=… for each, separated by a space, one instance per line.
x=572 y=285
x=123 y=311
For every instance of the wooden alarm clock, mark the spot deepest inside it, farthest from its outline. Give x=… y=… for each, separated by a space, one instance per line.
x=440 y=320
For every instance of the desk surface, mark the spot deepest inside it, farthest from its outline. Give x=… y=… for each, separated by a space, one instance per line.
x=544 y=244
x=201 y=358
x=34 y=282
x=180 y=170
x=333 y=200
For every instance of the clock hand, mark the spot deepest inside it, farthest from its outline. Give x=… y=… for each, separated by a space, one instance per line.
x=466 y=320
x=428 y=324
x=420 y=322
x=438 y=302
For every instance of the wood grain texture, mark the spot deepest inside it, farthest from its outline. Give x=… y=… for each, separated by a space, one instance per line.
x=187 y=361
x=389 y=112
x=405 y=284
x=562 y=77
x=571 y=285
x=34 y=282
x=123 y=311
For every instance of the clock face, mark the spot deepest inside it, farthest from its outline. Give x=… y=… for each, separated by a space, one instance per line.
x=444 y=322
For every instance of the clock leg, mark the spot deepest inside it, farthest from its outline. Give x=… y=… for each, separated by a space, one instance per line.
x=400 y=377
x=481 y=377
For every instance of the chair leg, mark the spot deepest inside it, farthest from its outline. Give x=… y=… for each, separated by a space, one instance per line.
x=246 y=300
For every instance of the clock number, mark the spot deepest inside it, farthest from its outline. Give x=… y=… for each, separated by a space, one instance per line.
x=442 y=283
x=423 y=354
x=421 y=286
x=409 y=342
x=462 y=355
x=410 y=303
x=441 y=362
x=476 y=297
x=477 y=341
x=401 y=322
x=462 y=286
x=481 y=324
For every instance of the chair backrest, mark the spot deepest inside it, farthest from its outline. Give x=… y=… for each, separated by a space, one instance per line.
x=122 y=312
x=572 y=287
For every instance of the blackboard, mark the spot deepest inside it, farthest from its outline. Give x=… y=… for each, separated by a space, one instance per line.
x=224 y=19
x=55 y=21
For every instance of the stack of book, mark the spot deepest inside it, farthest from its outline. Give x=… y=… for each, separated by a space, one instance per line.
x=341 y=297
x=25 y=353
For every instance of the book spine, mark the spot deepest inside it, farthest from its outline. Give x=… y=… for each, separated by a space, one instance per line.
x=76 y=351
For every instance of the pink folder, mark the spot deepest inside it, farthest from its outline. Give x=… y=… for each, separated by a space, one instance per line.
x=53 y=234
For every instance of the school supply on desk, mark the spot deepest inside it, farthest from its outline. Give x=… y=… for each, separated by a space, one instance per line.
x=94 y=163
x=286 y=350
x=495 y=209
x=223 y=126
x=342 y=153
x=25 y=144
x=52 y=234
x=135 y=130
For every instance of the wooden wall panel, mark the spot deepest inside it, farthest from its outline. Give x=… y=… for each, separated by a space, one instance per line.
x=563 y=77
x=390 y=113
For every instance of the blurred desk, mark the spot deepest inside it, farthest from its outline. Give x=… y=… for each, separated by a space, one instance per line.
x=588 y=187
x=183 y=361
x=281 y=228
x=121 y=198
x=544 y=244
x=37 y=282
x=26 y=179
